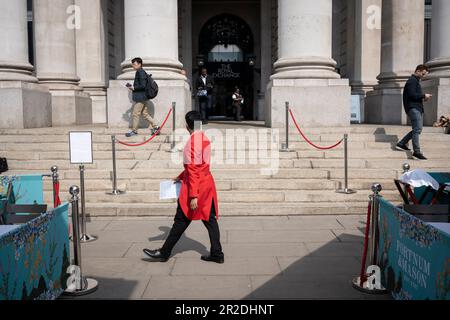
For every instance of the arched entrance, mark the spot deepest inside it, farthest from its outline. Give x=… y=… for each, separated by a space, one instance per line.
x=226 y=50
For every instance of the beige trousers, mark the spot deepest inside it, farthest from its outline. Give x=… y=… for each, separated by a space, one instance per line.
x=141 y=108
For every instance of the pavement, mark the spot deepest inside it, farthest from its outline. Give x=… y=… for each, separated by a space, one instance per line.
x=286 y=257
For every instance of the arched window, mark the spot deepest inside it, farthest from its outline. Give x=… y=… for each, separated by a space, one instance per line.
x=226 y=53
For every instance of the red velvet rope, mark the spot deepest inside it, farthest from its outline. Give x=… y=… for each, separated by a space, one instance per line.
x=151 y=138
x=309 y=141
x=363 y=277
x=57 y=200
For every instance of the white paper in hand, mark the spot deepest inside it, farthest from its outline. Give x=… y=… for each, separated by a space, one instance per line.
x=169 y=190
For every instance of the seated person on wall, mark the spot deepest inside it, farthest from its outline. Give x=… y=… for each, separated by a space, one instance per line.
x=140 y=98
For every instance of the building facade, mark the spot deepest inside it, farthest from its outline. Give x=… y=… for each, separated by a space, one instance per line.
x=66 y=62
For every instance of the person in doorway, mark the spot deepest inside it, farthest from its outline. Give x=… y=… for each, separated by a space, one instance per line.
x=205 y=86
x=238 y=101
x=140 y=99
x=198 y=196
x=413 y=99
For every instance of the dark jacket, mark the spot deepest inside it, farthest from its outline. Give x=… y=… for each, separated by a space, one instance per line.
x=209 y=84
x=413 y=95
x=140 y=81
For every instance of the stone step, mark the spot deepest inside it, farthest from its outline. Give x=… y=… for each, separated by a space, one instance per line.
x=230 y=209
x=102 y=129
x=318 y=196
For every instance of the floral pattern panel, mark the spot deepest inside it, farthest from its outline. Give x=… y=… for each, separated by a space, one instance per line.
x=414 y=256
x=34 y=258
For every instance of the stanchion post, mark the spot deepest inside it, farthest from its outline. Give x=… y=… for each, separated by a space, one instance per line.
x=346 y=189
x=174 y=125
x=55 y=176
x=406 y=168
x=82 y=285
x=115 y=191
x=285 y=146
x=376 y=189
x=367 y=285
x=84 y=236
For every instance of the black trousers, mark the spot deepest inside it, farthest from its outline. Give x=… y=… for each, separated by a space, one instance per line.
x=205 y=106
x=181 y=223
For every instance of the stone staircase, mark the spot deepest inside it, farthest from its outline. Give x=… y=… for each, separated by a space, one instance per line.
x=305 y=183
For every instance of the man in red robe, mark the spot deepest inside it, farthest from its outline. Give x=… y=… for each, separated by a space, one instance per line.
x=198 y=195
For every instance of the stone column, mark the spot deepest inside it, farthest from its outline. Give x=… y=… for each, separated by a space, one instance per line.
x=55 y=23
x=91 y=53
x=364 y=47
x=402 y=43
x=305 y=74
x=438 y=82
x=151 y=32
x=23 y=103
x=266 y=56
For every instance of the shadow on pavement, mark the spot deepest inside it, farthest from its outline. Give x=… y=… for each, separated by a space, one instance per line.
x=326 y=273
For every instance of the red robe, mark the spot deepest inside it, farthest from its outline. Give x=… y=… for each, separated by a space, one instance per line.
x=196 y=179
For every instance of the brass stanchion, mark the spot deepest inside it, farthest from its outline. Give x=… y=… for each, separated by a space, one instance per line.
x=115 y=191
x=370 y=279
x=346 y=190
x=85 y=237
x=285 y=146
x=77 y=285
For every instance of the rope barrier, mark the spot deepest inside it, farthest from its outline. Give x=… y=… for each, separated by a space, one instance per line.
x=151 y=138
x=309 y=141
x=57 y=200
x=363 y=276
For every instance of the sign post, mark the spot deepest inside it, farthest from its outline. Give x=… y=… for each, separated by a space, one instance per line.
x=81 y=154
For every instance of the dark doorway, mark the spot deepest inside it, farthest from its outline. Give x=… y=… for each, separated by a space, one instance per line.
x=226 y=50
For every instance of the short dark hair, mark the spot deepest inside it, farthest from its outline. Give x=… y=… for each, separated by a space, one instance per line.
x=138 y=60
x=191 y=118
x=422 y=67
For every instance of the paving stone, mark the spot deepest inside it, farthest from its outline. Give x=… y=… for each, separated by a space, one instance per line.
x=280 y=236
x=312 y=267
x=118 y=288
x=102 y=250
x=303 y=223
x=335 y=249
x=295 y=288
x=198 y=287
x=232 y=266
x=125 y=267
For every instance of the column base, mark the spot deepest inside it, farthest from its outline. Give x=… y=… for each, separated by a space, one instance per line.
x=120 y=103
x=71 y=108
x=24 y=105
x=315 y=102
x=385 y=106
x=440 y=104
x=99 y=104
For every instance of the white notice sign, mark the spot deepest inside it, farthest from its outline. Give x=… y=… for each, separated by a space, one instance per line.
x=80 y=146
x=169 y=190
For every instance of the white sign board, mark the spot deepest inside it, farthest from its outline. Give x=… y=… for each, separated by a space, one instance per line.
x=80 y=146
x=169 y=190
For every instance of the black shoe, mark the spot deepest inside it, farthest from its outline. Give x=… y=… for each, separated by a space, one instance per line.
x=156 y=130
x=131 y=134
x=419 y=156
x=156 y=255
x=219 y=259
x=402 y=147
